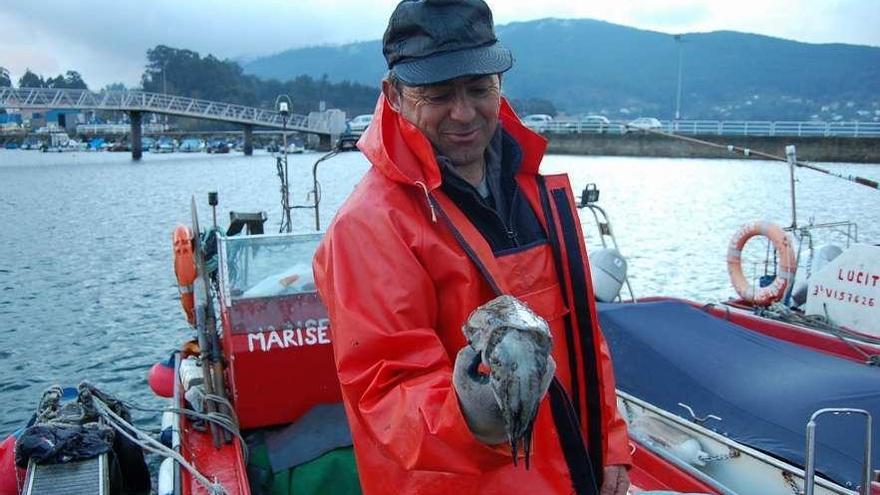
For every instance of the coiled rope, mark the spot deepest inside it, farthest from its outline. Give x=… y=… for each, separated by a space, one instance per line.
x=152 y=445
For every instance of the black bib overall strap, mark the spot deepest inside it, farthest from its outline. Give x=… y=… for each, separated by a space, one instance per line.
x=567 y=235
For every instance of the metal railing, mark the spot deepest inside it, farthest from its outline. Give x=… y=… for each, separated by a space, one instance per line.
x=117 y=129
x=131 y=100
x=721 y=128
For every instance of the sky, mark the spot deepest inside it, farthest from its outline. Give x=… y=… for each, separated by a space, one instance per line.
x=106 y=40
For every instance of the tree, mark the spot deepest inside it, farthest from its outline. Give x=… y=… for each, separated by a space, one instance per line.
x=70 y=80
x=5 y=82
x=73 y=80
x=117 y=86
x=31 y=80
x=186 y=73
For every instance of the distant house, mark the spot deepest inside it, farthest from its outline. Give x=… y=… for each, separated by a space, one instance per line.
x=10 y=118
x=67 y=119
x=63 y=118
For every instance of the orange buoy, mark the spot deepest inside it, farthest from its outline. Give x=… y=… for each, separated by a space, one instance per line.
x=185 y=269
x=761 y=296
x=161 y=379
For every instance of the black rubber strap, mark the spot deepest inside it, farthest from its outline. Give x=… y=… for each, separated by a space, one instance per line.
x=583 y=477
x=589 y=352
x=553 y=237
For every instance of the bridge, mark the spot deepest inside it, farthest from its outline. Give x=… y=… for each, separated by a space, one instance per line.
x=136 y=103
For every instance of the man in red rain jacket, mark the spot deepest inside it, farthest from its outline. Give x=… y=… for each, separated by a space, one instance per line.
x=451 y=214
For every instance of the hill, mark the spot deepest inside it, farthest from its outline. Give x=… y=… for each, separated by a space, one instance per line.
x=588 y=66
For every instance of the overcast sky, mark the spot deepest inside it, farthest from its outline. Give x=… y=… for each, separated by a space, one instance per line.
x=106 y=40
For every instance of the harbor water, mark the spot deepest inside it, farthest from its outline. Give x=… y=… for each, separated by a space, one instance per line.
x=87 y=290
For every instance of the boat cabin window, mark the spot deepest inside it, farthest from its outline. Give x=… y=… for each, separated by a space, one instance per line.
x=267 y=265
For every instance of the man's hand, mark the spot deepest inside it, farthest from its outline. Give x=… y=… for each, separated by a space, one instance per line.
x=476 y=398
x=615 y=480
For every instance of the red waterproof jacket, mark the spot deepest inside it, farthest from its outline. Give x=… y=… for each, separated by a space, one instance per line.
x=400 y=269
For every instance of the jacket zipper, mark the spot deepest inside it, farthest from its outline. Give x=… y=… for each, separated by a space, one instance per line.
x=508 y=226
x=428 y=199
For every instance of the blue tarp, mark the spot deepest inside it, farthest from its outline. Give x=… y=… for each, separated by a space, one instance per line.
x=764 y=389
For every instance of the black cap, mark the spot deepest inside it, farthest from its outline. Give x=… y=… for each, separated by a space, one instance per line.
x=429 y=41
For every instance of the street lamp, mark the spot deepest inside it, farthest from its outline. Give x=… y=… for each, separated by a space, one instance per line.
x=283 y=104
x=164 y=89
x=678 y=41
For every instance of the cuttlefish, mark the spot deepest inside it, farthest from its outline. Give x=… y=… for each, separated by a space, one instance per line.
x=514 y=343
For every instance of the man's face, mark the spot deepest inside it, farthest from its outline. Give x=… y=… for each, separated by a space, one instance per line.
x=459 y=116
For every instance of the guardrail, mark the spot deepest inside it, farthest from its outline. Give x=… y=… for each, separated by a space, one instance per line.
x=720 y=128
x=117 y=128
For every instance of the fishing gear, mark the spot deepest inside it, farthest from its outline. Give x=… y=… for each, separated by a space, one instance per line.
x=747 y=152
x=206 y=328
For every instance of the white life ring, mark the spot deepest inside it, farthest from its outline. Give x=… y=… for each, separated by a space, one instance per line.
x=761 y=296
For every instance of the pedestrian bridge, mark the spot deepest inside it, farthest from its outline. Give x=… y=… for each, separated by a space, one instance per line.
x=136 y=103
x=142 y=101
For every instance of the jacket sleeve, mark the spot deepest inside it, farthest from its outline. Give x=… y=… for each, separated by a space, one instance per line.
x=395 y=374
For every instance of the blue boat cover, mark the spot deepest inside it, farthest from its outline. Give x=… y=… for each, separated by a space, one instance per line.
x=763 y=388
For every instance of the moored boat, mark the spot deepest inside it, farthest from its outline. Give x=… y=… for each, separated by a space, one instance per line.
x=762 y=391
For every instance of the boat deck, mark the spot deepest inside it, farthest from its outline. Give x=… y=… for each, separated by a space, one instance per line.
x=764 y=388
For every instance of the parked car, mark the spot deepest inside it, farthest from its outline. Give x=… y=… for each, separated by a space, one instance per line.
x=645 y=124
x=595 y=123
x=538 y=122
x=360 y=123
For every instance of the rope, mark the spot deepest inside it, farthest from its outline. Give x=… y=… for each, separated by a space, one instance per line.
x=227 y=422
x=748 y=152
x=782 y=313
x=149 y=444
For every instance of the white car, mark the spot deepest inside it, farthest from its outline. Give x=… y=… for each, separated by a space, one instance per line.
x=360 y=123
x=538 y=122
x=645 y=124
x=595 y=123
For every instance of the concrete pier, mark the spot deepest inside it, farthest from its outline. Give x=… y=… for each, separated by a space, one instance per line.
x=820 y=149
x=248 y=140
x=136 y=146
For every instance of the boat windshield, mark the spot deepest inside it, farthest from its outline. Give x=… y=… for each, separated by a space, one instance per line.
x=267 y=265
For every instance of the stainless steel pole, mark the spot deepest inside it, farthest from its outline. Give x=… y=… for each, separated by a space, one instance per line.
x=678 y=90
x=791 y=157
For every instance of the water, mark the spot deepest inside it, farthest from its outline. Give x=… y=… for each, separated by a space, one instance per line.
x=87 y=289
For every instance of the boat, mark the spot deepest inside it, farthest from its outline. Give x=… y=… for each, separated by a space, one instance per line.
x=770 y=392
x=191 y=145
x=32 y=144
x=295 y=148
x=165 y=145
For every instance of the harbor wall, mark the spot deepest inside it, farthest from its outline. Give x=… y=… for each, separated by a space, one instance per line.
x=818 y=149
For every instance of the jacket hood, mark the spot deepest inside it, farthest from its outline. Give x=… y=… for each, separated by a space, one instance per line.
x=403 y=154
